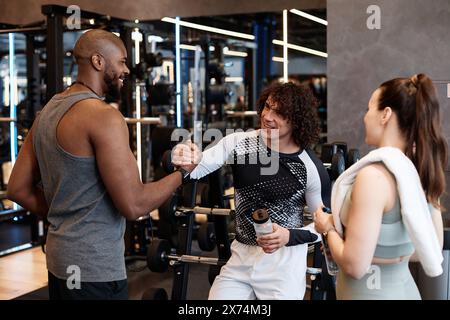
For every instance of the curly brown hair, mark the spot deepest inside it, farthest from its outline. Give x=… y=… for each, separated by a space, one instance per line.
x=297 y=104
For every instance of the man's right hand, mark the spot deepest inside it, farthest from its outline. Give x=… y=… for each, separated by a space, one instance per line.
x=186 y=155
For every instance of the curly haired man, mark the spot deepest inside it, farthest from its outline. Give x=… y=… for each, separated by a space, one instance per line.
x=274 y=169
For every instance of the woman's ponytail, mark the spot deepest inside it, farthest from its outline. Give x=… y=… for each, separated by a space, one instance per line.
x=415 y=102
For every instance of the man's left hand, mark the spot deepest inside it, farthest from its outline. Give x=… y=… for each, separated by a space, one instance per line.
x=274 y=241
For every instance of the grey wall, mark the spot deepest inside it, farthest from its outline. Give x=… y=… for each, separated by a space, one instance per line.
x=414 y=38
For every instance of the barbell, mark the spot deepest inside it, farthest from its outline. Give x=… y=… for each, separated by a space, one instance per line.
x=145 y=120
x=159 y=257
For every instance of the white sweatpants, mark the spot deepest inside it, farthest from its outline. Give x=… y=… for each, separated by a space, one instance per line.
x=252 y=274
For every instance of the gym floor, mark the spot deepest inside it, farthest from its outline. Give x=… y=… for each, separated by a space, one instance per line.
x=23 y=275
x=22 y=272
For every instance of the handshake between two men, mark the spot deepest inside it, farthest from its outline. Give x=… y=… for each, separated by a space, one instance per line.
x=186 y=156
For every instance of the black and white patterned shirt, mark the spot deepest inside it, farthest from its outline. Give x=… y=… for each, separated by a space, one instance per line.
x=281 y=183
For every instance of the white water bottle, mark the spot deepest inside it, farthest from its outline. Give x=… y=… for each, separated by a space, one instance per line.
x=262 y=222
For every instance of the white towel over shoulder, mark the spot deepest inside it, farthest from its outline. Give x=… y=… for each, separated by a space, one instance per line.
x=414 y=207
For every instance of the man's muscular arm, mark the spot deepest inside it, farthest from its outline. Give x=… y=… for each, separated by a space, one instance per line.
x=23 y=183
x=119 y=171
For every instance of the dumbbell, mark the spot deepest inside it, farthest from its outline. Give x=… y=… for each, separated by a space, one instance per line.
x=353 y=156
x=327 y=153
x=203 y=210
x=333 y=157
x=328 y=150
x=337 y=165
x=159 y=257
x=340 y=145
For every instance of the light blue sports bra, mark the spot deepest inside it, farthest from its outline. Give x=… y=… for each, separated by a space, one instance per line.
x=393 y=240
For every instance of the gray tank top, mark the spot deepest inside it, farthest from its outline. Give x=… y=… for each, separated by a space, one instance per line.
x=86 y=230
x=393 y=240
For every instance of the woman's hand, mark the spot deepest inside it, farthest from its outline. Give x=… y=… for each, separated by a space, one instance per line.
x=323 y=222
x=274 y=241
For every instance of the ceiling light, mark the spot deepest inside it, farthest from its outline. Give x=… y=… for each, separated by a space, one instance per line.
x=234 y=79
x=300 y=48
x=285 y=47
x=278 y=59
x=210 y=29
x=229 y=52
x=187 y=47
x=309 y=16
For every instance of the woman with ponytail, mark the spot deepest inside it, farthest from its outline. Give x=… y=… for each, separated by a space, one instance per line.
x=386 y=208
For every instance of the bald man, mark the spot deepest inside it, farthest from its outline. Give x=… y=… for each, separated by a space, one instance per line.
x=76 y=168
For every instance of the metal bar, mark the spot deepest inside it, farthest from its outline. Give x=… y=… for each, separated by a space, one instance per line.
x=8 y=214
x=252 y=82
x=137 y=37
x=285 y=47
x=197 y=259
x=144 y=120
x=40 y=30
x=179 y=113
x=207 y=56
x=127 y=90
x=213 y=211
x=15 y=249
x=215 y=198
x=24 y=30
x=6 y=119
x=33 y=81
x=12 y=101
x=204 y=210
x=55 y=48
x=12 y=212
x=237 y=114
x=197 y=125
x=181 y=271
x=138 y=128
